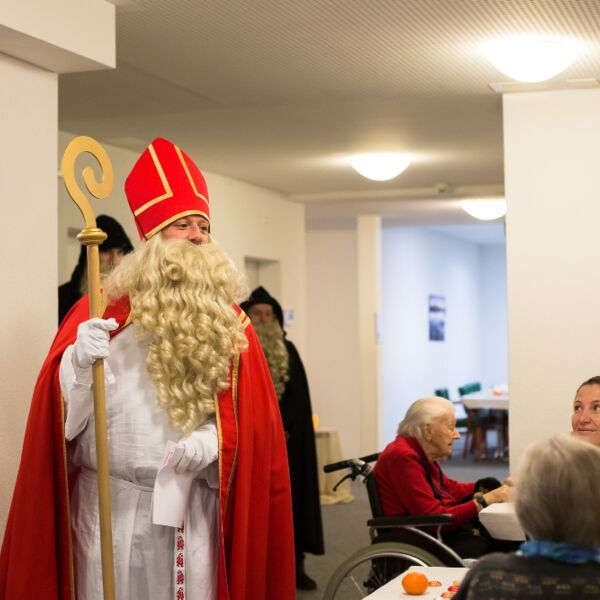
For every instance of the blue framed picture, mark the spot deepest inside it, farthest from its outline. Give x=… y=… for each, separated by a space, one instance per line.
x=437 y=318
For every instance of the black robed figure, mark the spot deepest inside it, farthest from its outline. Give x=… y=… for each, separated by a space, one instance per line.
x=112 y=250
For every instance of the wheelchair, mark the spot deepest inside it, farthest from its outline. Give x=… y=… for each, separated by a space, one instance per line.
x=396 y=542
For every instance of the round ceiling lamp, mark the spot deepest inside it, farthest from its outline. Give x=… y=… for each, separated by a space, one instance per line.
x=486 y=210
x=531 y=59
x=380 y=166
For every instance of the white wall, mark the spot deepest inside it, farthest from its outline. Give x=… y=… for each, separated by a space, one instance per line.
x=552 y=148
x=255 y=222
x=28 y=306
x=37 y=40
x=331 y=359
x=494 y=319
x=368 y=259
x=417 y=263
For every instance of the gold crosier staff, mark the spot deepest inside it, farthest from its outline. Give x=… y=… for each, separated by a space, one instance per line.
x=92 y=237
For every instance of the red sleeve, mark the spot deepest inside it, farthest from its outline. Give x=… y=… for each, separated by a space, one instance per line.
x=458 y=489
x=404 y=489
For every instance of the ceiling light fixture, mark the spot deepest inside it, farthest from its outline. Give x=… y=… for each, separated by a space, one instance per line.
x=531 y=59
x=380 y=166
x=485 y=209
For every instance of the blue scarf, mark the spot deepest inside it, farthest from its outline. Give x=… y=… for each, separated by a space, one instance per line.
x=563 y=552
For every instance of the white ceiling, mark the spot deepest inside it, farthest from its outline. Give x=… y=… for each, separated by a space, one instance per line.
x=277 y=93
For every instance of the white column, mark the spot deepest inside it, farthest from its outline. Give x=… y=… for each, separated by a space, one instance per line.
x=332 y=360
x=369 y=285
x=552 y=157
x=38 y=39
x=28 y=304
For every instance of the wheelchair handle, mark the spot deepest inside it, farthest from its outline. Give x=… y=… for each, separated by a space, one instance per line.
x=349 y=463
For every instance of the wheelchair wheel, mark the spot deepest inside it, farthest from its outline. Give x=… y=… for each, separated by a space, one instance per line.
x=373 y=566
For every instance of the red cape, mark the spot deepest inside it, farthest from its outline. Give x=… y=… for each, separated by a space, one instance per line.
x=256 y=555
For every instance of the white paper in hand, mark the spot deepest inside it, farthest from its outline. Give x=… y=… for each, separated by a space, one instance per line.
x=171 y=490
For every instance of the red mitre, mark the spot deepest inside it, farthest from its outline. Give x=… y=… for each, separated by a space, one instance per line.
x=163 y=186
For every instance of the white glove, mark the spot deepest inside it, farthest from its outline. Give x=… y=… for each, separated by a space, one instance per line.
x=92 y=342
x=200 y=448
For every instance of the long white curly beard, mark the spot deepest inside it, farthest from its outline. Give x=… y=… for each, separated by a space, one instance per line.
x=182 y=295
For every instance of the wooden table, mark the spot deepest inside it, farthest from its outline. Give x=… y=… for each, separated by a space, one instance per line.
x=446 y=575
x=487 y=399
x=329 y=451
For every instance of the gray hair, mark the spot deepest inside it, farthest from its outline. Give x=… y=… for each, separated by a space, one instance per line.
x=556 y=494
x=421 y=412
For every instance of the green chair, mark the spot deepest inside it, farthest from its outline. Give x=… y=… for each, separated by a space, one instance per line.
x=469 y=388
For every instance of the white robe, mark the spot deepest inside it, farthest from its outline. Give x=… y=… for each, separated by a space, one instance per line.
x=138 y=430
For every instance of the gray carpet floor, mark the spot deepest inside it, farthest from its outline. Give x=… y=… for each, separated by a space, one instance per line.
x=345 y=524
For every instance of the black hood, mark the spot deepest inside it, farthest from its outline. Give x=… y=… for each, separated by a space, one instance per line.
x=117 y=238
x=261 y=296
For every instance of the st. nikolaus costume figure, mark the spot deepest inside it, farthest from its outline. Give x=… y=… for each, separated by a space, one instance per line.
x=183 y=365
x=291 y=385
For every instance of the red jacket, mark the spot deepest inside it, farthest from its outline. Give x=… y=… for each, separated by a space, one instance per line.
x=256 y=553
x=410 y=484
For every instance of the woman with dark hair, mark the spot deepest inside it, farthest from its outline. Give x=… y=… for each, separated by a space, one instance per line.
x=586 y=411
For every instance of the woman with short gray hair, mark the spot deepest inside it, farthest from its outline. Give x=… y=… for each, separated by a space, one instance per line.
x=556 y=499
x=410 y=480
x=425 y=410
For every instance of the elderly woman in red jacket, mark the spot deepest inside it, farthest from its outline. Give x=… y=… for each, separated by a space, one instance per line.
x=411 y=482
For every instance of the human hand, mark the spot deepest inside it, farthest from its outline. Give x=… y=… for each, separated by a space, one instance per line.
x=501 y=494
x=509 y=481
x=200 y=448
x=92 y=341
